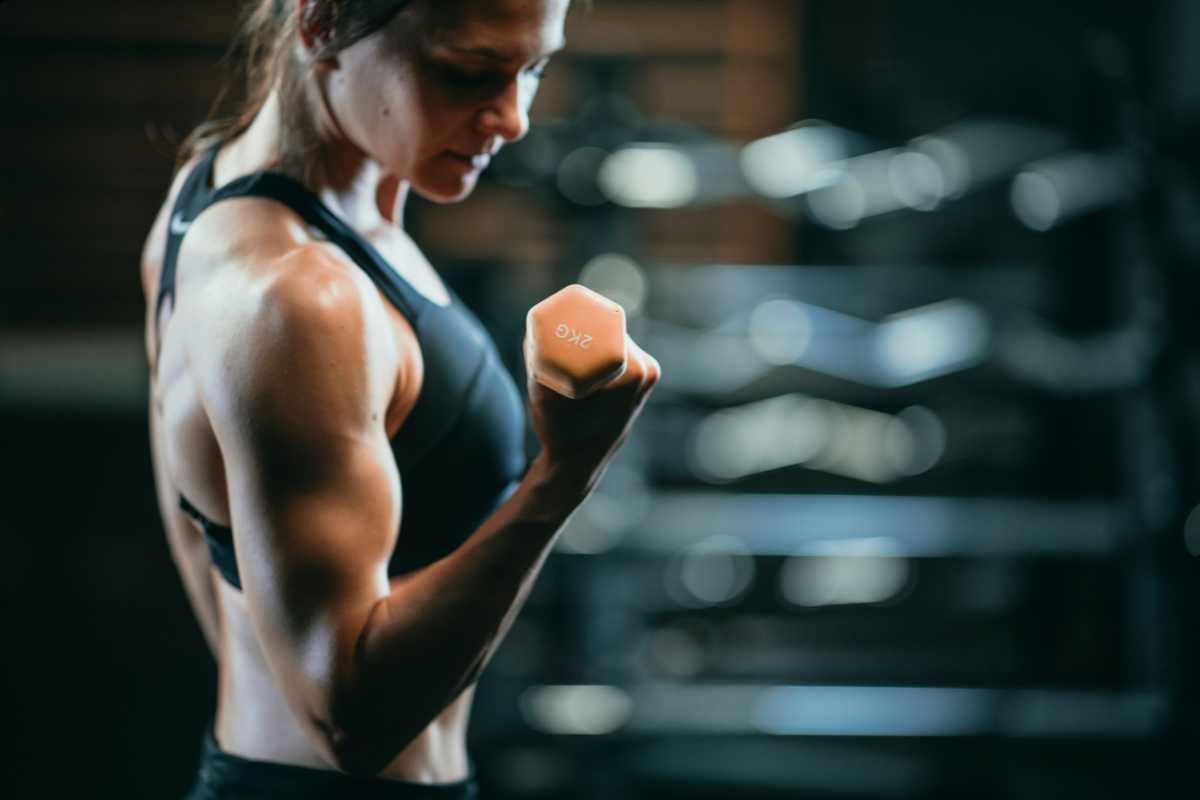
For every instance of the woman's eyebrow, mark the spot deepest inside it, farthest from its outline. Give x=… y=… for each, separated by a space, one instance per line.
x=496 y=55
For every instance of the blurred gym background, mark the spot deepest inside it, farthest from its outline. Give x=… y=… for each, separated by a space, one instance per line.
x=914 y=512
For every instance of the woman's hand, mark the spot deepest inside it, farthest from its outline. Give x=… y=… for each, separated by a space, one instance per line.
x=580 y=437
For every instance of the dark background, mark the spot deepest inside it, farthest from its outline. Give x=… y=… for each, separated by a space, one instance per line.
x=977 y=582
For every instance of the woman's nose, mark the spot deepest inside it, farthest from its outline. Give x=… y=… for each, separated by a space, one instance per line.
x=507 y=114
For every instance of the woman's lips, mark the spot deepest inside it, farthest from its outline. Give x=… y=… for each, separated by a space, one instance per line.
x=475 y=161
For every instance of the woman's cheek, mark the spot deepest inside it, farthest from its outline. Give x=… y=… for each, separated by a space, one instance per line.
x=529 y=90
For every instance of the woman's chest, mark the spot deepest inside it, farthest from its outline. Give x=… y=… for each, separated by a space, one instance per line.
x=404 y=260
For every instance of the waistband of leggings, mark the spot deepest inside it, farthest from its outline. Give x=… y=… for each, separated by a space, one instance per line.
x=221 y=767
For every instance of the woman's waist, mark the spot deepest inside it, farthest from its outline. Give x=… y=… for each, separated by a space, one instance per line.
x=255 y=721
x=225 y=774
x=260 y=726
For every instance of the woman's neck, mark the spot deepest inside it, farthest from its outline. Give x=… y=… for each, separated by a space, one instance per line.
x=353 y=185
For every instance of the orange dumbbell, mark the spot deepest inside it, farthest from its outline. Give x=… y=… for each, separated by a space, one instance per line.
x=575 y=341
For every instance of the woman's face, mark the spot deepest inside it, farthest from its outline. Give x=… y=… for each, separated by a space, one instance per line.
x=436 y=92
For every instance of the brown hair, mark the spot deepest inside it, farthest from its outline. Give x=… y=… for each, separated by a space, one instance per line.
x=264 y=54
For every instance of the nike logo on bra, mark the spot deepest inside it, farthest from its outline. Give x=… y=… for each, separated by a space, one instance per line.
x=178 y=225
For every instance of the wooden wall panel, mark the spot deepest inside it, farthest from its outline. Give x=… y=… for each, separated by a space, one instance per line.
x=64 y=83
x=687 y=90
x=96 y=96
x=112 y=153
x=638 y=27
x=130 y=21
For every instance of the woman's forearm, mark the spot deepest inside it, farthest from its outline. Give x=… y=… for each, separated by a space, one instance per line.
x=433 y=634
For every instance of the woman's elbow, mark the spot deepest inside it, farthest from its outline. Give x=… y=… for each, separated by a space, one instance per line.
x=357 y=753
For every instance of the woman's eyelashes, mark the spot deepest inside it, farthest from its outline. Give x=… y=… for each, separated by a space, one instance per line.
x=467 y=79
x=462 y=78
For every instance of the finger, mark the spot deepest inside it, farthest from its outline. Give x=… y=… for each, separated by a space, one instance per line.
x=649 y=369
x=638 y=367
x=654 y=371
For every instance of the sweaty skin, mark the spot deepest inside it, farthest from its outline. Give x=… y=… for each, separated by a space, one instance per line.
x=277 y=380
x=253 y=718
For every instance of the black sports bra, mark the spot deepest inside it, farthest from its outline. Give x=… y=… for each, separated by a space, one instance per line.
x=461 y=450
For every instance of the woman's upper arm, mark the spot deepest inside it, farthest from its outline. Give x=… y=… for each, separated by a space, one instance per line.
x=297 y=399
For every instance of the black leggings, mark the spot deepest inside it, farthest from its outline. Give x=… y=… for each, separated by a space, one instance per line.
x=223 y=776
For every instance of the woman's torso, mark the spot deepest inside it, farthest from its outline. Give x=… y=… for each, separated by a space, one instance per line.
x=253 y=719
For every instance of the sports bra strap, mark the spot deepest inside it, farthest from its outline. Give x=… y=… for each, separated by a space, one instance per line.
x=196 y=195
x=188 y=204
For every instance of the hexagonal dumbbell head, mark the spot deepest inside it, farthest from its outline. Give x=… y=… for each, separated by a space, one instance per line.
x=575 y=341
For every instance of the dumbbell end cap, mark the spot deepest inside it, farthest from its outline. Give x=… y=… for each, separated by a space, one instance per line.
x=576 y=339
x=571 y=386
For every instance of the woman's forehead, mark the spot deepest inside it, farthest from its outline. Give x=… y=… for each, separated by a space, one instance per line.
x=498 y=29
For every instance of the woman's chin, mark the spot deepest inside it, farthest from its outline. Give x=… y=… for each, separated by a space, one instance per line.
x=444 y=195
x=446 y=188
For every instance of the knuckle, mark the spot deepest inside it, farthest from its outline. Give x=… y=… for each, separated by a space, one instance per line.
x=643 y=368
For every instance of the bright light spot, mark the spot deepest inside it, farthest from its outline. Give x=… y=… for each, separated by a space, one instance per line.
x=93 y=370
x=582 y=537
x=917 y=180
x=855 y=446
x=692 y=353
x=780 y=330
x=914 y=441
x=617 y=505
x=617 y=277
x=712 y=572
x=1051 y=191
x=844 y=572
x=649 y=176
x=794 y=430
x=717 y=450
x=951 y=161
x=1191 y=532
x=791 y=163
x=577 y=175
x=930 y=341
x=899 y=444
x=873 y=711
x=586 y=710
x=1035 y=201
x=841 y=205
x=765 y=435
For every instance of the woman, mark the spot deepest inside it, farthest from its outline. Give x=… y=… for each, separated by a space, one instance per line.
x=338 y=452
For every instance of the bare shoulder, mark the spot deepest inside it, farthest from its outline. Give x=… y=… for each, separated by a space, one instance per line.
x=300 y=344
